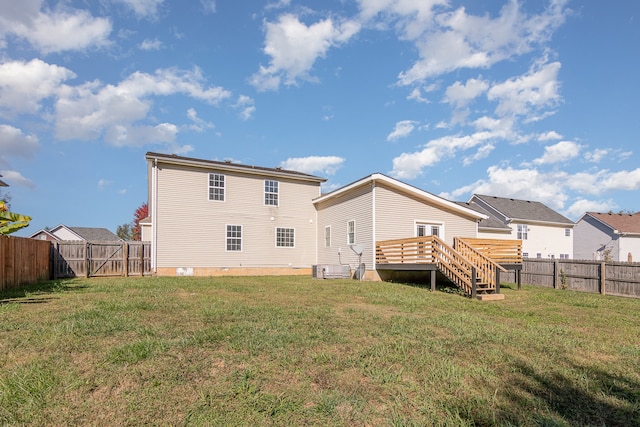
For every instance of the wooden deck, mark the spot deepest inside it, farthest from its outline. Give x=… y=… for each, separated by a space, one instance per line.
x=474 y=265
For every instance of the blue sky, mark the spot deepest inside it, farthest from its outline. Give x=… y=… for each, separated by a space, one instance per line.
x=533 y=99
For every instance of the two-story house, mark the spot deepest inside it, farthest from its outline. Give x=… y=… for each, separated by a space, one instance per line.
x=544 y=232
x=607 y=237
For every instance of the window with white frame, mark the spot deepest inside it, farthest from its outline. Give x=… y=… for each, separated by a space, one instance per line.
x=567 y=232
x=234 y=238
x=216 y=187
x=564 y=256
x=270 y=193
x=525 y=254
x=523 y=231
x=285 y=237
x=427 y=229
x=327 y=236
x=351 y=232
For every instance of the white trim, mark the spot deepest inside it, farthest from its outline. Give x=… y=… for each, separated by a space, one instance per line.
x=265 y=192
x=439 y=224
x=224 y=187
x=324 y=236
x=354 y=232
x=226 y=243
x=276 y=237
x=373 y=224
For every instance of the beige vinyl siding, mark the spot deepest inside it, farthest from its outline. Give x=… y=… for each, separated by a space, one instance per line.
x=397 y=213
x=192 y=228
x=356 y=206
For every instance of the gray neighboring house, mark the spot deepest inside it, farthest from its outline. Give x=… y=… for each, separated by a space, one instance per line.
x=544 y=232
x=89 y=234
x=607 y=236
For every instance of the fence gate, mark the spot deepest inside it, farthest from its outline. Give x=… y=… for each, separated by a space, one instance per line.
x=93 y=259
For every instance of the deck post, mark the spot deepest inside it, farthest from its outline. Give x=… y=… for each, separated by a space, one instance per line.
x=519 y=278
x=497 y=280
x=432 y=276
x=474 y=290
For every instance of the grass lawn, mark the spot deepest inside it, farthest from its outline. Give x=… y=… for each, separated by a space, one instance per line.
x=297 y=351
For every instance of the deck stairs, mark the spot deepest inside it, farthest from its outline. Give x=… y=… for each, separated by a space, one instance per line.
x=470 y=270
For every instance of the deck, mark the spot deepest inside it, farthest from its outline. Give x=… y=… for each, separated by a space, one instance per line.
x=472 y=264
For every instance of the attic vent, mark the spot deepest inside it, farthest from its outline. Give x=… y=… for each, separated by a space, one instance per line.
x=278 y=168
x=227 y=161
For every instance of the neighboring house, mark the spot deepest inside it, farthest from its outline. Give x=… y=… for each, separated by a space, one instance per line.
x=377 y=208
x=89 y=234
x=607 y=236
x=544 y=232
x=214 y=218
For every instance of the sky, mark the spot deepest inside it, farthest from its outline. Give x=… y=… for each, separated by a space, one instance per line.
x=535 y=100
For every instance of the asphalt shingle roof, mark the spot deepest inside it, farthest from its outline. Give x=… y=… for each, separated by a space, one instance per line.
x=524 y=209
x=491 y=222
x=95 y=234
x=624 y=223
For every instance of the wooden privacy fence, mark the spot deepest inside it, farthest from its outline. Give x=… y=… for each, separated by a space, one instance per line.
x=23 y=261
x=95 y=259
x=610 y=278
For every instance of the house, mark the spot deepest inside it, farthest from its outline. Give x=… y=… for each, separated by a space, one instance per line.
x=544 y=232
x=220 y=218
x=378 y=208
x=607 y=236
x=62 y=232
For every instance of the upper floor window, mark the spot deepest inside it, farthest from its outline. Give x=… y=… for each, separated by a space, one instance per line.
x=234 y=237
x=271 y=193
x=216 y=187
x=327 y=236
x=351 y=232
x=425 y=229
x=567 y=232
x=285 y=237
x=523 y=231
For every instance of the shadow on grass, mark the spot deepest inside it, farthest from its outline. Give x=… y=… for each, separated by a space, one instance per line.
x=35 y=293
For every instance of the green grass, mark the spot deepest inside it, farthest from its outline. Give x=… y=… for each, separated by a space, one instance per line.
x=297 y=351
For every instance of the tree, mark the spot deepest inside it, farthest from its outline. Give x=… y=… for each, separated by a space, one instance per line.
x=11 y=222
x=141 y=213
x=125 y=232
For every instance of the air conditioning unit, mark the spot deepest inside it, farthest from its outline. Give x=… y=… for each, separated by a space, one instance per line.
x=331 y=271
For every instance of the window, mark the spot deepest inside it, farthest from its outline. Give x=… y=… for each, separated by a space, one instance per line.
x=523 y=231
x=351 y=233
x=525 y=254
x=567 y=232
x=539 y=255
x=216 y=187
x=271 y=193
x=327 y=236
x=424 y=229
x=285 y=237
x=564 y=256
x=234 y=237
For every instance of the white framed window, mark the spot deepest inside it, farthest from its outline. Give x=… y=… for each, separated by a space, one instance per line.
x=525 y=254
x=428 y=229
x=216 y=187
x=567 y=232
x=351 y=232
x=327 y=236
x=539 y=255
x=523 y=231
x=285 y=237
x=234 y=238
x=270 y=192
x=564 y=256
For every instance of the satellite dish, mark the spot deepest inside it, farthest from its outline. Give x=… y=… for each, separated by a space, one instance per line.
x=357 y=249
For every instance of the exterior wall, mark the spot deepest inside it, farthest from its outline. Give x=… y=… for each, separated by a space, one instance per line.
x=629 y=249
x=548 y=241
x=503 y=235
x=397 y=214
x=43 y=236
x=145 y=232
x=64 y=234
x=356 y=206
x=590 y=236
x=191 y=229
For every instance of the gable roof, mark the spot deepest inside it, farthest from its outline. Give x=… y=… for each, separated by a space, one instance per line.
x=83 y=233
x=621 y=223
x=405 y=188
x=523 y=210
x=232 y=167
x=491 y=222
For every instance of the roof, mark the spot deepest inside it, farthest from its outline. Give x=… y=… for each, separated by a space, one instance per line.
x=523 y=210
x=490 y=222
x=406 y=188
x=622 y=223
x=233 y=167
x=2 y=183
x=93 y=234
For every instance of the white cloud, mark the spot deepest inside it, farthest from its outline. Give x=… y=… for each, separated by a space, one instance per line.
x=580 y=207
x=560 y=152
x=143 y=8
x=460 y=94
x=151 y=44
x=16 y=178
x=549 y=136
x=416 y=95
x=246 y=106
x=403 y=129
x=198 y=125
x=459 y=40
x=52 y=30
x=411 y=165
x=314 y=164
x=23 y=85
x=14 y=143
x=103 y=183
x=482 y=153
x=596 y=155
x=533 y=91
x=294 y=47
x=208 y=6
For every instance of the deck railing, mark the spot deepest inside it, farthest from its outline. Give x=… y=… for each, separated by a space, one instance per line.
x=498 y=250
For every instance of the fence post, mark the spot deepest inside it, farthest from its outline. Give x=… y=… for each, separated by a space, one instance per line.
x=497 y=280
x=87 y=262
x=603 y=278
x=125 y=259
x=556 y=274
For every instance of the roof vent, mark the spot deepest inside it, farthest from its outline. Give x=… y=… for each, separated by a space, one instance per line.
x=278 y=168
x=227 y=160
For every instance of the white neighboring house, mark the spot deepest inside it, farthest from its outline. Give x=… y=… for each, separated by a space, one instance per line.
x=608 y=236
x=89 y=234
x=544 y=232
